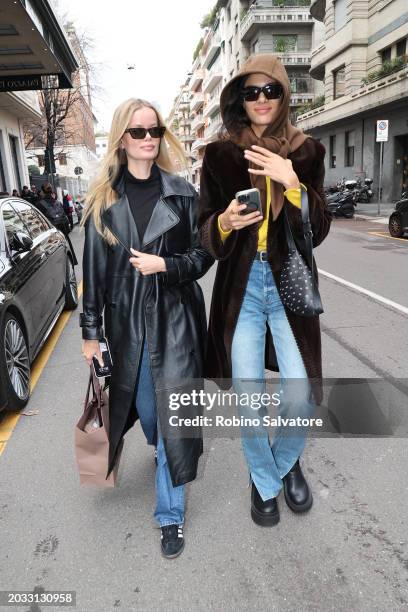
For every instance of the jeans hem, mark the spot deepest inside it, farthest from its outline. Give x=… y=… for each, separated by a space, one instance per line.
x=266 y=496
x=288 y=470
x=167 y=523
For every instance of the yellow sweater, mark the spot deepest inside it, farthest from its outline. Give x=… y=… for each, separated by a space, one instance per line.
x=293 y=195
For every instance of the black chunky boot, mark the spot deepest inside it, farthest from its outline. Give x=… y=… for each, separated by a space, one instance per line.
x=298 y=495
x=264 y=513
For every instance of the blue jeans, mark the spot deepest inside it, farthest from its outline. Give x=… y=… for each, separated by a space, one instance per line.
x=169 y=499
x=262 y=305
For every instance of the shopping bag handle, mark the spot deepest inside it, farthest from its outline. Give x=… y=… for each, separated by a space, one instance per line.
x=96 y=388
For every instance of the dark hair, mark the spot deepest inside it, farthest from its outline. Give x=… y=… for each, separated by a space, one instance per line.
x=46 y=188
x=234 y=114
x=235 y=117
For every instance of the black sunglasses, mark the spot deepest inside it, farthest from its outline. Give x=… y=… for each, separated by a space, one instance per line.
x=140 y=132
x=271 y=91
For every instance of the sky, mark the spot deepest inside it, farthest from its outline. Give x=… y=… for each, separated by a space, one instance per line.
x=158 y=37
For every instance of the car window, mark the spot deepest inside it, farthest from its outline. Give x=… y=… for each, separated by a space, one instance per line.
x=32 y=219
x=12 y=223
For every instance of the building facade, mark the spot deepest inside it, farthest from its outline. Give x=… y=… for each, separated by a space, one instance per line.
x=101 y=143
x=237 y=29
x=362 y=63
x=75 y=148
x=179 y=122
x=34 y=51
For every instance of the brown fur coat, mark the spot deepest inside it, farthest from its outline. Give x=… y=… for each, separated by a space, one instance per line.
x=224 y=172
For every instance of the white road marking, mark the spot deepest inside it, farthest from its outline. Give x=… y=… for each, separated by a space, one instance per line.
x=371 y=294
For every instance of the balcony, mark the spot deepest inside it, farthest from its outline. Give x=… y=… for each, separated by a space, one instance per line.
x=318 y=62
x=212 y=48
x=390 y=90
x=301 y=98
x=212 y=106
x=318 y=9
x=212 y=131
x=196 y=78
x=198 y=144
x=197 y=101
x=261 y=16
x=197 y=122
x=212 y=79
x=294 y=59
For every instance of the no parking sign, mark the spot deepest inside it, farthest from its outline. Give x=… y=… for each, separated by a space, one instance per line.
x=382 y=130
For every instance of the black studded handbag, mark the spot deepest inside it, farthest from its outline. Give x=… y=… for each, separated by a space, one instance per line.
x=298 y=287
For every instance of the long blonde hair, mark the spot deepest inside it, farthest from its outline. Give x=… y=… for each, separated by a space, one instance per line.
x=101 y=195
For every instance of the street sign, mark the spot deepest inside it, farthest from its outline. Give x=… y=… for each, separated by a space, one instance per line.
x=78 y=170
x=382 y=130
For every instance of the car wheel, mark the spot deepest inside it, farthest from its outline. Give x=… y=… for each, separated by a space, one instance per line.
x=14 y=363
x=71 y=287
x=395 y=226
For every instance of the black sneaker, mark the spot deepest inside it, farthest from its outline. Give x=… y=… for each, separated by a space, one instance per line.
x=172 y=540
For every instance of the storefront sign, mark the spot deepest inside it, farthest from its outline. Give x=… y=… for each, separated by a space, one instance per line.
x=20 y=83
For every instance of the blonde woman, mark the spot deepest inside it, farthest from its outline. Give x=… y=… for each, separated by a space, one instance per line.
x=141 y=260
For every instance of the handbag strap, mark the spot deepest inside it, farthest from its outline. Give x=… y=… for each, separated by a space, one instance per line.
x=307 y=229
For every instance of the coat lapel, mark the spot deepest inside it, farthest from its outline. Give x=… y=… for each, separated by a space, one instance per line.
x=119 y=219
x=163 y=218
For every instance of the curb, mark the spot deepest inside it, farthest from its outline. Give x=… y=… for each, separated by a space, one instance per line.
x=380 y=220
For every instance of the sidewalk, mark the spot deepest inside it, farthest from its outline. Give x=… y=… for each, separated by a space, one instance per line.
x=370 y=211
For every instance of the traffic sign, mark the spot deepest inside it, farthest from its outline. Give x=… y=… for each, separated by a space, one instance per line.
x=382 y=130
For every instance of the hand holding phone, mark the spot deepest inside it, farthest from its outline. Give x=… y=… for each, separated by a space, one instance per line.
x=101 y=371
x=252 y=199
x=237 y=216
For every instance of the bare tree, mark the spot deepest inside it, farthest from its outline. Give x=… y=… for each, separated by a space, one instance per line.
x=60 y=108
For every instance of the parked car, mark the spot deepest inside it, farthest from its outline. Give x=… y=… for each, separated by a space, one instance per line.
x=37 y=282
x=398 y=221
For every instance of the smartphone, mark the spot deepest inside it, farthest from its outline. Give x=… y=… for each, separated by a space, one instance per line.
x=252 y=199
x=106 y=370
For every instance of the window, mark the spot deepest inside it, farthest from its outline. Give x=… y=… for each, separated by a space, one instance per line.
x=237 y=60
x=349 y=148
x=40 y=160
x=338 y=82
x=14 y=157
x=12 y=224
x=230 y=45
x=255 y=46
x=332 y=151
x=282 y=44
x=62 y=158
x=340 y=14
x=386 y=55
x=229 y=13
x=401 y=47
x=33 y=221
x=299 y=85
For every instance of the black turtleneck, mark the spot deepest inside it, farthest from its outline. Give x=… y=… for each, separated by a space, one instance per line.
x=142 y=195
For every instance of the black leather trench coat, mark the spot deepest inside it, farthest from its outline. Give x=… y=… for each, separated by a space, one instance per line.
x=168 y=307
